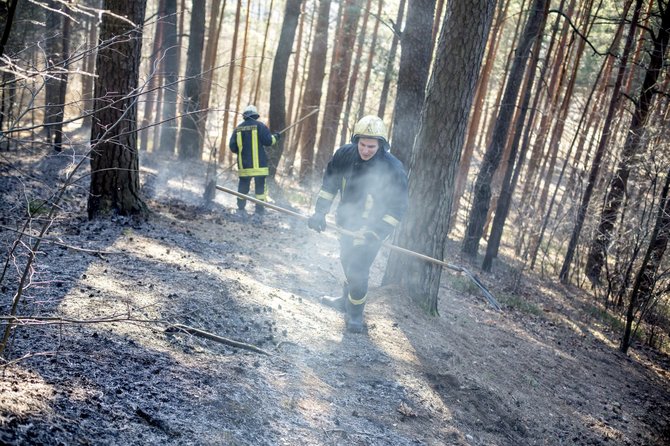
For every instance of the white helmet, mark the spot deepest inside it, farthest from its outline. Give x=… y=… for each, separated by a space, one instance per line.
x=370 y=126
x=250 y=112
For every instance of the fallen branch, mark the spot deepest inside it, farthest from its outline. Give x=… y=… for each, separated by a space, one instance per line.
x=59 y=243
x=212 y=337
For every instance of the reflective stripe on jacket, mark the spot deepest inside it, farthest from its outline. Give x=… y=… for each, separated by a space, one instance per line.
x=373 y=193
x=248 y=141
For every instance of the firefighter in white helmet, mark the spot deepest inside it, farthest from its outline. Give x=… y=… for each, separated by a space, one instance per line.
x=248 y=141
x=372 y=185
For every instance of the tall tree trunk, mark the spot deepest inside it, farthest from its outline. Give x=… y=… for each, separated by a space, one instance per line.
x=11 y=12
x=415 y=58
x=278 y=83
x=62 y=86
x=353 y=76
x=597 y=160
x=243 y=59
x=53 y=108
x=294 y=78
x=371 y=58
x=390 y=63
x=155 y=62
x=511 y=174
x=441 y=135
x=482 y=191
x=209 y=64
x=190 y=138
x=229 y=87
x=115 y=183
x=260 y=63
x=312 y=99
x=478 y=109
x=646 y=276
x=168 y=106
x=337 y=84
x=632 y=149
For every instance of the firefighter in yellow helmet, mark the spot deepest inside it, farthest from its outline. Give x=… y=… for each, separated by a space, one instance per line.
x=248 y=141
x=372 y=185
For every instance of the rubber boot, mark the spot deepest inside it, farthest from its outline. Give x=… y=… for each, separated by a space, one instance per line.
x=354 y=318
x=338 y=303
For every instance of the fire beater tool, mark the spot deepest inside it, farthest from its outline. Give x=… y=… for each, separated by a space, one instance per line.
x=487 y=294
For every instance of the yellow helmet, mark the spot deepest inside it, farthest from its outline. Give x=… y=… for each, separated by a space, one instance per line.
x=370 y=126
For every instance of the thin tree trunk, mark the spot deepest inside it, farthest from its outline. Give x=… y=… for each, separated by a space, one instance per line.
x=229 y=86
x=243 y=61
x=209 y=65
x=312 y=99
x=415 y=58
x=155 y=61
x=168 y=131
x=371 y=57
x=511 y=174
x=390 y=63
x=646 y=276
x=632 y=149
x=278 y=84
x=296 y=74
x=260 y=64
x=337 y=84
x=477 y=109
x=537 y=241
x=190 y=145
x=595 y=166
x=482 y=191
x=353 y=76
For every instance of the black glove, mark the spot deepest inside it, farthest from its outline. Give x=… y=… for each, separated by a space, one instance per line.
x=317 y=222
x=277 y=136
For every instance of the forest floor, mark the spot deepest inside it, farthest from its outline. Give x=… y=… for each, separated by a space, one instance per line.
x=545 y=371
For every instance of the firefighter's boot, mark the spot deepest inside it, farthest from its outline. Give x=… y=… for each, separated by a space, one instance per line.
x=338 y=303
x=354 y=317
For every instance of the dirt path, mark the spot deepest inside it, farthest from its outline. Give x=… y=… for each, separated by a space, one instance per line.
x=472 y=376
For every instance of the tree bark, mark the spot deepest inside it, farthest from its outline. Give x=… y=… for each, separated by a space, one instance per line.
x=223 y=145
x=390 y=63
x=190 y=138
x=312 y=97
x=337 y=84
x=278 y=83
x=115 y=181
x=168 y=106
x=441 y=136
x=415 y=57
x=353 y=77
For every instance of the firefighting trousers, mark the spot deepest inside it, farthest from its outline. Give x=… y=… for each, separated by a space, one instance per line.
x=356 y=260
x=260 y=191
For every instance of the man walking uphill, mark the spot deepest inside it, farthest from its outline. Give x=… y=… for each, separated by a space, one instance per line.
x=248 y=141
x=373 y=198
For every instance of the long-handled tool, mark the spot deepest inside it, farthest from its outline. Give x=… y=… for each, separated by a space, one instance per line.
x=487 y=294
x=286 y=129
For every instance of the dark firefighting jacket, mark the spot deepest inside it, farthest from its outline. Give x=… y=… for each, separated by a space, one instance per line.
x=373 y=193
x=248 y=141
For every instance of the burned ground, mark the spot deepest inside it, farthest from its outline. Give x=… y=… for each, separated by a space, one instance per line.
x=534 y=375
